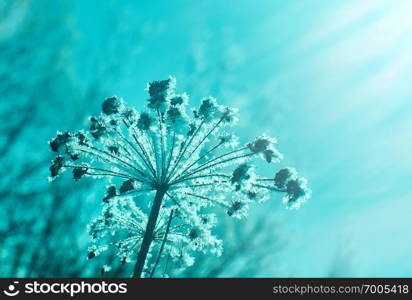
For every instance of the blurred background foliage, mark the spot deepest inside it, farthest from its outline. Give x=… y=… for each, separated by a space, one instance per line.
x=331 y=80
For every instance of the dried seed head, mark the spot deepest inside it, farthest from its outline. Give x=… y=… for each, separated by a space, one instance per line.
x=195 y=161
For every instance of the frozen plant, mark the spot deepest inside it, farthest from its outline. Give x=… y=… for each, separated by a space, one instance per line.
x=166 y=171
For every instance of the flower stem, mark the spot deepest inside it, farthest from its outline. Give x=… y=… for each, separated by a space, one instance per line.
x=159 y=255
x=148 y=236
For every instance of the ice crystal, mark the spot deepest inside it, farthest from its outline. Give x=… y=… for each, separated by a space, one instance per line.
x=166 y=171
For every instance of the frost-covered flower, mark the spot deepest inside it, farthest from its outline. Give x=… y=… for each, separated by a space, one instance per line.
x=167 y=170
x=264 y=146
x=295 y=188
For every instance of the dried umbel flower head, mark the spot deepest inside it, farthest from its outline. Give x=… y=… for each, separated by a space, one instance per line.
x=166 y=171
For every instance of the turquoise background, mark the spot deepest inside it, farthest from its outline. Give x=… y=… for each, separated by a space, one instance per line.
x=330 y=79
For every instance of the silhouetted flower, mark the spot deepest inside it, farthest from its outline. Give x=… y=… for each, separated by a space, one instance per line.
x=241 y=175
x=59 y=141
x=209 y=110
x=97 y=127
x=144 y=122
x=110 y=193
x=265 y=147
x=179 y=100
x=282 y=176
x=296 y=192
x=167 y=170
x=112 y=105
x=160 y=92
x=78 y=172
x=56 y=166
x=127 y=186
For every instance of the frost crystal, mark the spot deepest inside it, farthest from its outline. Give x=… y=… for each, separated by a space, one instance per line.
x=166 y=171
